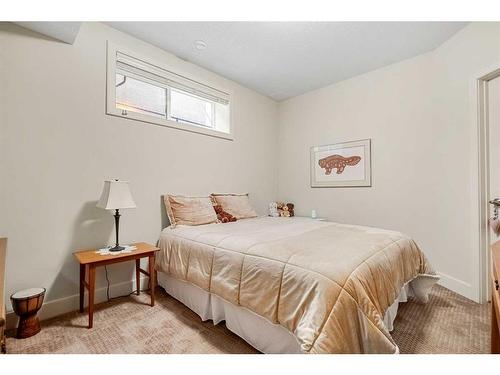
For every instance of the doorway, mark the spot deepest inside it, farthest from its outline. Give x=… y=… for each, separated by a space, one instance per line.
x=488 y=87
x=494 y=159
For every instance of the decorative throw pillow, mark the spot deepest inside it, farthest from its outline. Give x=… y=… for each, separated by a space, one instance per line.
x=237 y=205
x=223 y=216
x=189 y=210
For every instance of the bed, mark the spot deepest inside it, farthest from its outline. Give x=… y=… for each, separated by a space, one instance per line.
x=295 y=285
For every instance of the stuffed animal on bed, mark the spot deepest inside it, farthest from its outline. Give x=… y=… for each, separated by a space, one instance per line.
x=223 y=216
x=285 y=209
x=273 y=209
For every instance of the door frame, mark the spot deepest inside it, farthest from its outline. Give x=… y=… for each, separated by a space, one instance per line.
x=483 y=182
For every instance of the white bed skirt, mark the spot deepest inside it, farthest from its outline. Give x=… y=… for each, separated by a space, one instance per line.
x=259 y=332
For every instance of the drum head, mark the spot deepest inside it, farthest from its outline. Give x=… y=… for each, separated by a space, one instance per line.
x=26 y=293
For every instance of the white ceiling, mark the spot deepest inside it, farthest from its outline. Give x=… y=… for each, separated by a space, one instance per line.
x=285 y=59
x=281 y=59
x=63 y=31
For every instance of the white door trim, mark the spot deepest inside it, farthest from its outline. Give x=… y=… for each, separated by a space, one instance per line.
x=483 y=182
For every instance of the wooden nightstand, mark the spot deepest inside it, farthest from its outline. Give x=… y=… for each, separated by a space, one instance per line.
x=90 y=259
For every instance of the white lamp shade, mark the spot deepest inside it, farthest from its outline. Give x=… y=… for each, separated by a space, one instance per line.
x=115 y=195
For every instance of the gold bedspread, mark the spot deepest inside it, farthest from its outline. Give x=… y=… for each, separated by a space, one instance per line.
x=327 y=283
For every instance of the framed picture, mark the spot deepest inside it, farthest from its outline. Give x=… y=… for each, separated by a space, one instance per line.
x=341 y=164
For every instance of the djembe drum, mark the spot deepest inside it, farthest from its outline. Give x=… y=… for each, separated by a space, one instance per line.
x=26 y=304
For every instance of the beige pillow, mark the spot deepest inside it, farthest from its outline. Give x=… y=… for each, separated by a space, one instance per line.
x=189 y=210
x=237 y=205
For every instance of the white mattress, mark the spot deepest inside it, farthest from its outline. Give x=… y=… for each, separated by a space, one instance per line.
x=259 y=332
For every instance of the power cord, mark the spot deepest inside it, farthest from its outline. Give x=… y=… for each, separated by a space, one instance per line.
x=122 y=296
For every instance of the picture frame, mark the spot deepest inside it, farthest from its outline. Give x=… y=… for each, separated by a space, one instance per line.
x=346 y=164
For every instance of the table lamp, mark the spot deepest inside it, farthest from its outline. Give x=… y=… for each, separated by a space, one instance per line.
x=116 y=195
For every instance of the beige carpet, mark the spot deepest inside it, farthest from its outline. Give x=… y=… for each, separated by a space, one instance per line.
x=449 y=323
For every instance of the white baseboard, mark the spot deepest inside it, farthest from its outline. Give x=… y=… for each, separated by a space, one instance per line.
x=64 y=305
x=458 y=286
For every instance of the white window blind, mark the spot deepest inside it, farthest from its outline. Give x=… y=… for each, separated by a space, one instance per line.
x=151 y=93
x=161 y=76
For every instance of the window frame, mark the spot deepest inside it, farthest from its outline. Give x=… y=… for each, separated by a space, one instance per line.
x=111 y=109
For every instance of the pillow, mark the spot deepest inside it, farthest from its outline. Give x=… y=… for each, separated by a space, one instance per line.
x=237 y=205
x=223 y=216
x=189 y=210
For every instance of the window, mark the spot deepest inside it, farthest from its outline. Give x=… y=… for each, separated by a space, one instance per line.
x=141 y=97
x=147 y=92
x=188 y=108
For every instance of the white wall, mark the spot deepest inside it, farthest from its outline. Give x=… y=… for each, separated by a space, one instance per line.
x=58 y=146
x=420 y=115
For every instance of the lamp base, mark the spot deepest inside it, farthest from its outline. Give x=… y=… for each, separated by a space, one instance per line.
x=117 y=248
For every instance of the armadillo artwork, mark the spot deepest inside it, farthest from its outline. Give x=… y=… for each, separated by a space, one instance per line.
x=337 y=162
